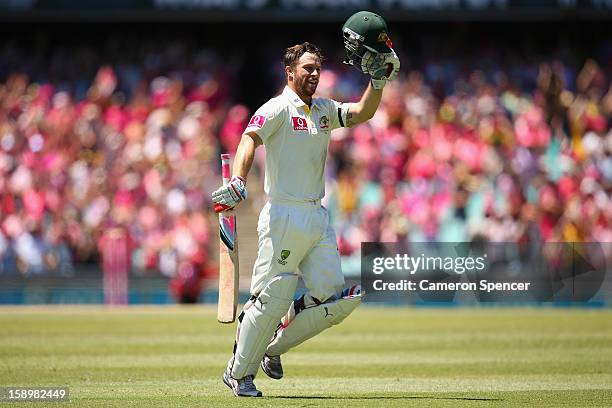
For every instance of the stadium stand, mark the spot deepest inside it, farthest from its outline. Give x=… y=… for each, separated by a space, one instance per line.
x=501 y=144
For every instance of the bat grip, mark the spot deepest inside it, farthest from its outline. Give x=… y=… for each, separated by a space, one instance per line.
x=225 y=168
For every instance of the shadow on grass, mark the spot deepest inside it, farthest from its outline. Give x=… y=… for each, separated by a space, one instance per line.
x=389 y=397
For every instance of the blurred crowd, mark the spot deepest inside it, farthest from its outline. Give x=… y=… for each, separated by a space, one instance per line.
x=519 y=152
x=133 y=151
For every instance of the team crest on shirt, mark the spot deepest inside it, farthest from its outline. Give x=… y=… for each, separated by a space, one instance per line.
x=299 y=123
x=257 y=121
x=323 y=122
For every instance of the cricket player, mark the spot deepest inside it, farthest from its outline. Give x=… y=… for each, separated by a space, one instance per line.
x=295 y=236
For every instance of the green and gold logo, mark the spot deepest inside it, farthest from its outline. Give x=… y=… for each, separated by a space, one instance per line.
x=284 y=255
x=324 y=122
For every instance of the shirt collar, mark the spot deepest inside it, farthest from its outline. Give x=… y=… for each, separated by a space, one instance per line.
x=296 y=100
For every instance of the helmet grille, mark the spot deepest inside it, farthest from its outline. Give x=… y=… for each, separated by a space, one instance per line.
x=353 y=43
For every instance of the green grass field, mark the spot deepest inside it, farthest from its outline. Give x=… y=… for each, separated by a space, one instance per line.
x=174 y=357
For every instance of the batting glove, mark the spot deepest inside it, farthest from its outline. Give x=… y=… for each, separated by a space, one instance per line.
x=381 y=67
x=226 y=198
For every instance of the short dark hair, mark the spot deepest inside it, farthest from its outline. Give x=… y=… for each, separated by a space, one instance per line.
x=293 y=54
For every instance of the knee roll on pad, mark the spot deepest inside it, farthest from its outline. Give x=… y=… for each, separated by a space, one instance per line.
x=311 y=321
x=260 y=319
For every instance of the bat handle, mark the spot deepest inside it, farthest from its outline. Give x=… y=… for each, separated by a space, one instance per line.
x=225 y=168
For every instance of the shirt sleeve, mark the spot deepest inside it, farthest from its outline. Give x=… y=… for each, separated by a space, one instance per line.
x=338 y=114
x=266 y=121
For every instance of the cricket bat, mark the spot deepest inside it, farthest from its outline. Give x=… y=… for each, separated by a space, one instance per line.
x=228 y=257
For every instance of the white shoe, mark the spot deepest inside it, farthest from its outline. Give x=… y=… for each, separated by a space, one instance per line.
x=243 y=387
x=271 y=365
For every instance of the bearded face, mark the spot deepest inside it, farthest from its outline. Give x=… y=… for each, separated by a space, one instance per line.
x=305 y=75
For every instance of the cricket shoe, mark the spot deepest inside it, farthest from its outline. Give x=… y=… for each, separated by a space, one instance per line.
x=271 y=365
x=243 y=387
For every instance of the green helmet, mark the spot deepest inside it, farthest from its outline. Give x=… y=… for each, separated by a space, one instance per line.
x=365 y=31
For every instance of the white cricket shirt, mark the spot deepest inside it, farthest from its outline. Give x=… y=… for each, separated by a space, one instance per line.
x=296 y=138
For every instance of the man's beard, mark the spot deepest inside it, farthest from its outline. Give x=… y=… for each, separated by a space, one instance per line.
x=305 y=88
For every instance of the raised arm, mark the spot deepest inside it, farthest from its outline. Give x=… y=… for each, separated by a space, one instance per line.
x=383 y=68
x=364 y=110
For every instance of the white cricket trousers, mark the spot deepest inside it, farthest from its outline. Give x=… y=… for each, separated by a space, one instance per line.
x=298 y=235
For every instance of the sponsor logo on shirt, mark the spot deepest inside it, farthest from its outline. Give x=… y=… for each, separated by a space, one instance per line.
x=299 y=123
x=257 y=121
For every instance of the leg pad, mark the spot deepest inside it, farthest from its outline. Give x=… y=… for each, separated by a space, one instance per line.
x=259 y=320
x=303 y=322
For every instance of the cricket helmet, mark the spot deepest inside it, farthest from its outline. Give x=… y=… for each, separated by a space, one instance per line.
x=365 y=31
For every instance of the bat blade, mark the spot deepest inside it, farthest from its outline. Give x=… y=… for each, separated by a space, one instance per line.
x=228 y=258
